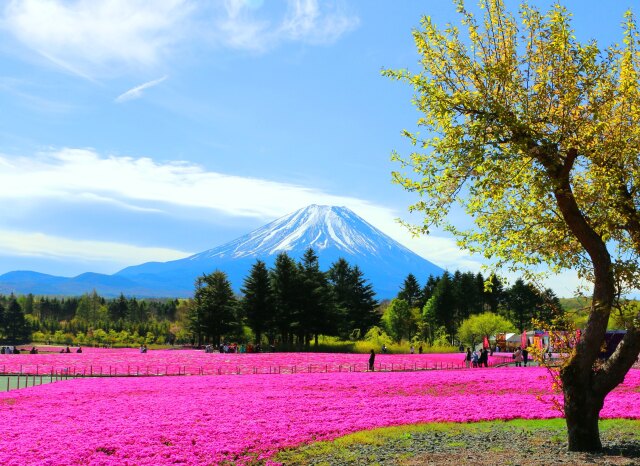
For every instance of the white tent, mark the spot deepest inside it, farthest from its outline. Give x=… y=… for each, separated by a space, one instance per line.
x=512 y=338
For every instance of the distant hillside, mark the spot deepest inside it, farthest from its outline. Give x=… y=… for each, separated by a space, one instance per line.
x=333 y=232
x=578 y=310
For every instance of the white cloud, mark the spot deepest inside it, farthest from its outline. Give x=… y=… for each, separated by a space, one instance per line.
x=88 y=37
x=136 y=92
x=93 y=39
x=134 y=183
x=308 y=21
x=19 y=243
x=305 y=21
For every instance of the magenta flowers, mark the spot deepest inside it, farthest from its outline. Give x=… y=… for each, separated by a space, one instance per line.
x=192 y=362
x=208 y=420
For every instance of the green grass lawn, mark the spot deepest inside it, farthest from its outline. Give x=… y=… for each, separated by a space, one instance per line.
x=411 y=444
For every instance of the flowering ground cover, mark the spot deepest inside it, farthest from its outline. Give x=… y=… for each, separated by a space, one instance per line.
x=210 y=420
x=196 y=362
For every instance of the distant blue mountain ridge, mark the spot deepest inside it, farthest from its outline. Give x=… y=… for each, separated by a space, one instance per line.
x=333 y=232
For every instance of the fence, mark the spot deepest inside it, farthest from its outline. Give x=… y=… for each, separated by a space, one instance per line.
x=17 y=381
x=57 y=373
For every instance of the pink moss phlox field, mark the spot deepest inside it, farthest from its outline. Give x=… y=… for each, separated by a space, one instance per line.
x=193 y=362
x=208 y=420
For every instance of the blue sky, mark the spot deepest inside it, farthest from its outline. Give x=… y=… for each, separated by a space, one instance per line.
x=137 y=130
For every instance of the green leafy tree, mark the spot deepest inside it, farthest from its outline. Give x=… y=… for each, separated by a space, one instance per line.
x=494 y=294
x=258 y=302
x=400 y=320
x=91 y=308
x=537 y=136
x=476 y=327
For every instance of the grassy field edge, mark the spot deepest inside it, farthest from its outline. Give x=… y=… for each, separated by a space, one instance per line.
x=373 y=446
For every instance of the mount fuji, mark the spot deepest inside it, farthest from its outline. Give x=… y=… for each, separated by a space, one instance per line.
x=333 y=232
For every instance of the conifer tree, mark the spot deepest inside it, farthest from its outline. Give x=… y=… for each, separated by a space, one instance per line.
x=258 y=301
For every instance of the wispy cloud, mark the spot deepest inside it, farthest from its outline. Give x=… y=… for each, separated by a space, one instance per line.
x=89 y=38
x=93 y=39
x=243 y=26
x=135 y=183
x=136 y=92
x=316 y=22
x=35 y=244
x=30 y=95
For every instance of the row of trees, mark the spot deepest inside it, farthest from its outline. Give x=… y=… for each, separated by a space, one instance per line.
x=434 y=312
x=91 y=319
x=293 y=302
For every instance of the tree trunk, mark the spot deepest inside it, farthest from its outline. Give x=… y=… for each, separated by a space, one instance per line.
x=582 y=411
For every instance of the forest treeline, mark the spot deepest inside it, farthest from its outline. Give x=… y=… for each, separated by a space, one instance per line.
x=288 y=305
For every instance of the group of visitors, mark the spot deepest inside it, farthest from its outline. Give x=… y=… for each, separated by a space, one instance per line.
x=68 y=350
x=33 y=350
x=521 y=357
x=478 y=358
x=9 y=350
x=412 y=349
x=233 y=348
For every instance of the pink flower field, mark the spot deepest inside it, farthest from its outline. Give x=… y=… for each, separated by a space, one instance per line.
x=194 y=362
x=208 y=420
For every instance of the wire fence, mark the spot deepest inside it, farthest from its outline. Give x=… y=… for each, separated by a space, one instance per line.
x=15 y=382
x=38 y=374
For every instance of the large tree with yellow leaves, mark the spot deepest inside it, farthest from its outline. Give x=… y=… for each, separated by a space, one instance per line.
x=537 y=136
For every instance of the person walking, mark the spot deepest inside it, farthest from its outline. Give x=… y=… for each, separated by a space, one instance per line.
x=525 y=357
x=474 y=359
x=517 y=356
x=467 y=358
x=484 y=358
x=372 y=360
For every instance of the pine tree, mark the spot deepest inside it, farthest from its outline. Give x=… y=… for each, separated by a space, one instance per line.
x=354 y=299
x=285 y=283
x=429 y=288
x=439 y=310
x=523 y=300
x=119 y=308
x=215 y=305
x=411 y=292
x=317 y=305
x=258 y=300
x=16 y=329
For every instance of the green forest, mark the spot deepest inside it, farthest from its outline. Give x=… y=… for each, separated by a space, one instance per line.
x=292 y=305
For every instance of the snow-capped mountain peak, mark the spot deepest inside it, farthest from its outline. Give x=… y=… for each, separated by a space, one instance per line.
x=333 y=232
x=319 y=227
